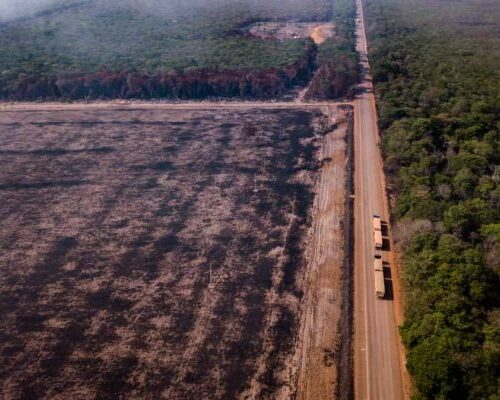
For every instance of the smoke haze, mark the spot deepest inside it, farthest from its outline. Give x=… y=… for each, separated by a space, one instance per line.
x=47 y=38
x=11 y=9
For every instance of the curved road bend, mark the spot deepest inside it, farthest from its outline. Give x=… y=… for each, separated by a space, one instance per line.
x=378 y=357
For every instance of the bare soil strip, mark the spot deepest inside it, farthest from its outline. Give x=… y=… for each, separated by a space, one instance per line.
x=321 y=32
x=184 y=105
x=320 y=335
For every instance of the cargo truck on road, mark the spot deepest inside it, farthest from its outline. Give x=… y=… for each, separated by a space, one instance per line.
x=379 y=277
x=377 y=231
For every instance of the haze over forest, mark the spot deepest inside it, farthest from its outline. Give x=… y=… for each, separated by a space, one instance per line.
x=169 y=49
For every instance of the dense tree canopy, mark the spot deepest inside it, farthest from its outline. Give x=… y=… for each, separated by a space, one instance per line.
x=160 y=48
x=338 y=60
x=436 y=66
x=173 y=49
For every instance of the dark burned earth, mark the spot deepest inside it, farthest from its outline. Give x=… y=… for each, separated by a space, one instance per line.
x=152 y=254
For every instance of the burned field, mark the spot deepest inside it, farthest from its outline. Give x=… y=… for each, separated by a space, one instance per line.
x=153 y=253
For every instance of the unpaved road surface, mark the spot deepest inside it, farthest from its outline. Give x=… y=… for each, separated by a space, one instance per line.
x=140 y=105
x=319 y=358
x=379 y=360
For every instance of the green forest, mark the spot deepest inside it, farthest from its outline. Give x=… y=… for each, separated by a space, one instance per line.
x=156 y=49
x=155 y=35
x=436 y=69
x=337 y=60
x=194 y=49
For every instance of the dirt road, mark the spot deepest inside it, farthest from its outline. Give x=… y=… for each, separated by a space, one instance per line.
x=184 y=105
x=321 y=329
x=379 y=361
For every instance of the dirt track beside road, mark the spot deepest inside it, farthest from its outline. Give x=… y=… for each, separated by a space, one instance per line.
x=321 y=331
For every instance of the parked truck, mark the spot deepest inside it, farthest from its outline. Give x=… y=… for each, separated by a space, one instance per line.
x=379 y=277
x=377 y=231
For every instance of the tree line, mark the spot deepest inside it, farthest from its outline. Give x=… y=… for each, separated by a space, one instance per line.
x=195 y=83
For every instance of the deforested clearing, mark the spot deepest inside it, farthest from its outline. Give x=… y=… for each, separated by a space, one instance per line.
x=154 y=253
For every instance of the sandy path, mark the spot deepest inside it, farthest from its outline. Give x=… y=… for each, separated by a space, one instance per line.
x=185 y=105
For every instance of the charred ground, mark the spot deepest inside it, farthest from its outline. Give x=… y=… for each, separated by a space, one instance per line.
x=149 y=254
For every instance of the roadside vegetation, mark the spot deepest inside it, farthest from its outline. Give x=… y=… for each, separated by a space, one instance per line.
x=437 y=81
x=176 y=49
x=337 y=60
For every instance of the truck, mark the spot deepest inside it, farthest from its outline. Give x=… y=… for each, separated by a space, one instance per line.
x=379 y=277
x=377 y=238
x=377 y=231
